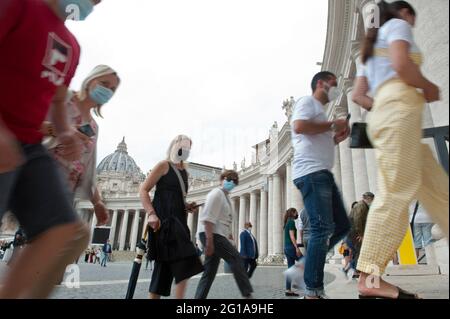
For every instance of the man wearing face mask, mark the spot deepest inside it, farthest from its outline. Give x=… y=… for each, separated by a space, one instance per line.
x=358 y=219
x=215 y=234
x=314 y=139
x=39 y=57
x=249 y=249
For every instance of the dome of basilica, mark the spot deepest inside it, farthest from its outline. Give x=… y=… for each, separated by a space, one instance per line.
x=119 y=161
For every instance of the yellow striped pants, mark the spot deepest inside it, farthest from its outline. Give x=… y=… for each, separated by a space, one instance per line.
x=407 y=170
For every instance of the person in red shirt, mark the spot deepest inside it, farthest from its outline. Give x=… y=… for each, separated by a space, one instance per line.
x=38 y=58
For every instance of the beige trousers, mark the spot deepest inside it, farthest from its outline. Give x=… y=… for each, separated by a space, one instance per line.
x=407 y=170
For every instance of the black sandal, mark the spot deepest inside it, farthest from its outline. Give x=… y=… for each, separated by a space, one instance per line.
x=402 y=294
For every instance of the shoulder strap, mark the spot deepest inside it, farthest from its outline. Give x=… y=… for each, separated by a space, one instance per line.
x=180 y=179
x=227 y=199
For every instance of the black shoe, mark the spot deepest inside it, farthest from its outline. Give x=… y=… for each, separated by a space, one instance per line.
x=291 y=294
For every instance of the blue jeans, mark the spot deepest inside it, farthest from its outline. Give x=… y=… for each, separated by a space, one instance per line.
x=291 y=256
x=328 y=224
x=104 y=259
x=422 y=235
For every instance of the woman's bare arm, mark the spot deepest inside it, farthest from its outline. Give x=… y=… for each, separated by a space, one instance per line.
x=359 y=93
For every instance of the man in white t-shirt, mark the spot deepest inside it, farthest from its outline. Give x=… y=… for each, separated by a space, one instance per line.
x=214 y=232
x=314 y=139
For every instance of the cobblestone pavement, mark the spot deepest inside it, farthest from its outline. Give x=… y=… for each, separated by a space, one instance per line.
x=112 y=282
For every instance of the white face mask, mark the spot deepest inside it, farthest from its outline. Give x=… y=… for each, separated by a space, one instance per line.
x=332 y=93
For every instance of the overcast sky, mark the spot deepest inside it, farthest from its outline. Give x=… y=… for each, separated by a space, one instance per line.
x=215 y=70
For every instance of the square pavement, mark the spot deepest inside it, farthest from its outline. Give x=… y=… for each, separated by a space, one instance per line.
x=268 y=282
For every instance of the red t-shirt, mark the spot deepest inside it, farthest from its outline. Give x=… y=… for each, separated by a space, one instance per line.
x=37 y=54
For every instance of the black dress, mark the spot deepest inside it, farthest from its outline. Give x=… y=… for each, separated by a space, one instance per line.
x=176 y=256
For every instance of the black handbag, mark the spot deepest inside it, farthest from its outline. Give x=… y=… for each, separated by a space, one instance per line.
x=358 y=136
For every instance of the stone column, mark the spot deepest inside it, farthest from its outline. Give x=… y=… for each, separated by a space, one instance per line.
x=235 y=223
x=348 y=183
x=196 y=221
x=93 y=223
x=123 y=230
x=270 y=219
x=112 y=233
x=288 y=184
x=262 y=241
x=134 y=230
x=190 y=222
x=197 y=224
x=372 y=170
x=277 y=216
x=84 y=215
x=242 y=211
x=358 y=155
x=337 y=168
x=253 y=207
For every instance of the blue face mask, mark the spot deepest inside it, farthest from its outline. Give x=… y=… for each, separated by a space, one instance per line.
x=228 y=186
x=101 y=95
x=76 y=9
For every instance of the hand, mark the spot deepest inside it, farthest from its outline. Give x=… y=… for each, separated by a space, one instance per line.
x=431 y=93
x=190 y=208
x=230 y=237
x=70 y=144
x=101 y=212
x=209 y=249
x=154 y=221
x=359 y=239
x=11 y=156
x=298 y=252
x=340 y=125
x=342 y=135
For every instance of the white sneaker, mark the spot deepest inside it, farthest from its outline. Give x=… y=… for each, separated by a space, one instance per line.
x=350 y=274
x=296 y=274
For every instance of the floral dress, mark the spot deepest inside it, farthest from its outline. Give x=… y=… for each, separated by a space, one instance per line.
x=77 y=171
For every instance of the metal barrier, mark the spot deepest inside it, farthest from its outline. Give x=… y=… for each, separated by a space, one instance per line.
x=440 y=137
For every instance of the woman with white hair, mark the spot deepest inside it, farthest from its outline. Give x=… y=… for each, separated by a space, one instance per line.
x=96 y=90
x=171 y=247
